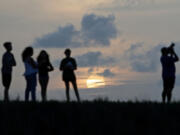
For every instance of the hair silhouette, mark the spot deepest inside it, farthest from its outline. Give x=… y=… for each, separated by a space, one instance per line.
x=44 y=67
x=28 y=52
x=68 y=65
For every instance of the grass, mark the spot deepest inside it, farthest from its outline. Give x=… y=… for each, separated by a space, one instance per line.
x=89 y=118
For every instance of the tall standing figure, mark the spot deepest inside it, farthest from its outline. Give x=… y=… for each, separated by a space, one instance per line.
x=68 y=65
x=8 y=62
x=168 y=60
x=44 y=66
x=31 y=70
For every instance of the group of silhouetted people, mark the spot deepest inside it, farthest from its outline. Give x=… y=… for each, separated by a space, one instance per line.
x=43 y=66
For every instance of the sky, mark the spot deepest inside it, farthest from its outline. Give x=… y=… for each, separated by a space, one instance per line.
x=116 y=44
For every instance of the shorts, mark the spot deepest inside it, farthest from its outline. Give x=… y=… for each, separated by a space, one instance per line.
x=168 y=83
x=6 y=79
x=69 y=77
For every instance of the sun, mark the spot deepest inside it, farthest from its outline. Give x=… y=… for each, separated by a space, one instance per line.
x=95 y=81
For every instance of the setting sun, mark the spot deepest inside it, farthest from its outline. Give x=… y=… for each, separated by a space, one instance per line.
x=94 y=82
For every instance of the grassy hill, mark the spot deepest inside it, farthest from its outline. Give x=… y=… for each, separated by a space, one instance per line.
x=89 y=118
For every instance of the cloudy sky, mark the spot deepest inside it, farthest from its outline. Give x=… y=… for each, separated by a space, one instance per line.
x=116 y=43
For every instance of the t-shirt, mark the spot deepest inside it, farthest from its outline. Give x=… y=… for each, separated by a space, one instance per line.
x=68 y=65
x=168 y=66
x=8 y=62
x=29 y=69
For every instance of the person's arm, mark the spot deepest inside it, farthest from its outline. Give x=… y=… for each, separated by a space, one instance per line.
x=61 y=67
x=175 y=56
x=74 y=64
x=13 y=61
x=50 y=67
x=33 y=63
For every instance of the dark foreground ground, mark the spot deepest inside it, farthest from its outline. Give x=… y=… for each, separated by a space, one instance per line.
x=89 y=118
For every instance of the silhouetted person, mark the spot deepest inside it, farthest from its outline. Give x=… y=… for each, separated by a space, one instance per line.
x=44 y=67
x=8 y=62
x=31 y=70
x=168 y=59
x=68 y=65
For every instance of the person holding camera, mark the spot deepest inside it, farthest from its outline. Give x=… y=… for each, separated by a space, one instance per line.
x=168 y=60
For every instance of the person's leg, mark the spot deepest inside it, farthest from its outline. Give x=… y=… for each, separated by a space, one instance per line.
x=45 y=87
x=6 y=82
x=28 y=88
x=33 y=94
x=76 y=90
x=33 y=87
x=164 y=95
x=169 y=95
x=6 y=93
x=171 y=86
x=27 y=94
x=42 y=88
x=165 y=89
x=67 y=90
x=43 y=83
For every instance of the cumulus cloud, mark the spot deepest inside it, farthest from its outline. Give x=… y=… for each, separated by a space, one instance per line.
x=98 y=30
x=63 y=37
x=142 y=60
x=95 y=31
x=107 y=73
x=146 y=60
x=93 y=59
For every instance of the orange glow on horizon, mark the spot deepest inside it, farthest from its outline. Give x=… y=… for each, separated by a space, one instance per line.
x=95 y=81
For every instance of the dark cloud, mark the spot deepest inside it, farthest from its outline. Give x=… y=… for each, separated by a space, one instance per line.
x=93 y=59
x=90 y=59
x=107 y=73
x=98 y=30
x=63 y=37
x=146 y=60
x=142 y=60
x=95 y=30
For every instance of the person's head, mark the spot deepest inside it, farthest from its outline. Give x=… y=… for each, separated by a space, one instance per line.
x=164 y=51
x=43 y=56
x=28 y=52
x=8 y=46
x=67 y=52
